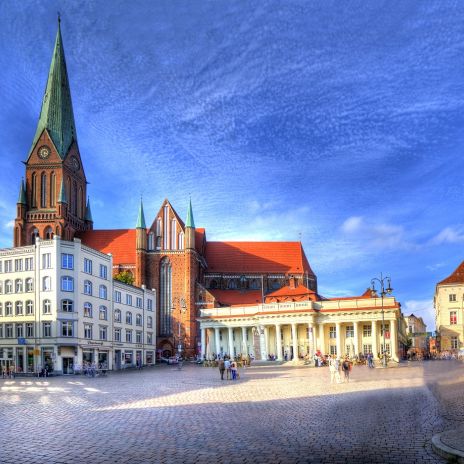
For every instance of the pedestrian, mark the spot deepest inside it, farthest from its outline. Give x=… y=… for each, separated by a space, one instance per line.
x=233 y=369
x=227 y=368
x=346 y=368
x=337 y=370
x=222 y=368
x=332 y=369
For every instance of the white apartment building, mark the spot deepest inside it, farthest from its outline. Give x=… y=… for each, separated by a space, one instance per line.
x=60 y=308
x=417 y=332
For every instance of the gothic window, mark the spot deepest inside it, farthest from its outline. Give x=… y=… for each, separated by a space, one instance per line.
x=74 y=199
x=52 y=189
x=275 y=284
x=166 y=227
x=254 y=285
x=43 y=190
x=165 y=297
x=232 y=284
x=80 y=204
x=173 y=234
x=34 y=235
x=213 y=284
x=158 y=227
x=68 y=190
x=181 y=241
x=34 y=190
x=48 y=233
x=151 y=241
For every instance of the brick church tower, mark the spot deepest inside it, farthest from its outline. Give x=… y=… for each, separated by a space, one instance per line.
x=52 y=200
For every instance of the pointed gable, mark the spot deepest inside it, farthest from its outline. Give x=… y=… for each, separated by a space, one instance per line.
x=56 y=115
x=457 y=277
x=291 y=293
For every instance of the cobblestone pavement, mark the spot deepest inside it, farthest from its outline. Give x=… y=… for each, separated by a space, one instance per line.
x=271 y=414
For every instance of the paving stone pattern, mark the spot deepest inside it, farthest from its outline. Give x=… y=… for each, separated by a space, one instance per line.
x=271 y=414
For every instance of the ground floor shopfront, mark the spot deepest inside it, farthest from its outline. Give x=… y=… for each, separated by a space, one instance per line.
x=71 y=359
x=294 y=330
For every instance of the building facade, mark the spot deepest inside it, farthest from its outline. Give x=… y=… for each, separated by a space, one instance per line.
x=417 y=333
x=449 y=312
x=60 y=308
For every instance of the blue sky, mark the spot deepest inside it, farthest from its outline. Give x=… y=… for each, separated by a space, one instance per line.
x=339 y=121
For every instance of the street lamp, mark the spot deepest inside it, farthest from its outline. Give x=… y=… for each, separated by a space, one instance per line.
x=182 y=310
x=383 y=291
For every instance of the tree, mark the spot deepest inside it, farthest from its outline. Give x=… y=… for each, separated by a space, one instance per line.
x=125 y=277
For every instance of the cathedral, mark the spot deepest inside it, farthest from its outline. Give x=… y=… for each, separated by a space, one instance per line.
x=168 y=254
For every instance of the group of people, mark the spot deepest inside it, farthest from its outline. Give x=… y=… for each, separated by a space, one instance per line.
x=229 y=367
x=336 y=365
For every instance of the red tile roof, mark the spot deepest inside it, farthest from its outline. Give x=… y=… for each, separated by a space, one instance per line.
x=119 y=242
x=289 y=291
x=257 y=257
x=457 y=277
x=237 y=297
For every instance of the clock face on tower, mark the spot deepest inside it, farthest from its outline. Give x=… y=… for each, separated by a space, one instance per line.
x=44 y=152
x=75 y=163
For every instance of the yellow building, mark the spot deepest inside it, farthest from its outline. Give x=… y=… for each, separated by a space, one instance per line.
x=449 y=314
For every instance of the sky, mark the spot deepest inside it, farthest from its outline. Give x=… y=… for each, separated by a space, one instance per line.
x=337 y=123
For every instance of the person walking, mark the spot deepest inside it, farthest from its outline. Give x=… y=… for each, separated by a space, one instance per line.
x=337 y=370
x=222 y=368
x=332 y=369
x=227 y=368
x=346 y=368
x=233 y=369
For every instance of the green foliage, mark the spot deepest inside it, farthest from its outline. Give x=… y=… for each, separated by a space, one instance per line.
x=125 y=277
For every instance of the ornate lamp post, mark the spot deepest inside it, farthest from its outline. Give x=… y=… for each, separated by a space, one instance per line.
x=182 y=309
x=383 y=291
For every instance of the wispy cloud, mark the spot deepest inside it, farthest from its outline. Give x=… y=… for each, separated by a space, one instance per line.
x=9 y=225
x=421 y=308
x=449 y=235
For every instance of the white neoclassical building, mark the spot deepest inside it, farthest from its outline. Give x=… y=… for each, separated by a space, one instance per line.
x=60 y=308
x=333 y=326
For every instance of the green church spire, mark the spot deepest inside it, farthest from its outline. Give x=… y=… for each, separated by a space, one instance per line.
x=88 y=212
x=141 y=218
x=22 y=194
x=190 y=222
x=56 y=114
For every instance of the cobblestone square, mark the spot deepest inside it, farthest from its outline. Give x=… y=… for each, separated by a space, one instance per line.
x=271 y=414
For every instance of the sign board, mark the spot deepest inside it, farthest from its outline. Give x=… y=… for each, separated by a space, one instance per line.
x=21 y=341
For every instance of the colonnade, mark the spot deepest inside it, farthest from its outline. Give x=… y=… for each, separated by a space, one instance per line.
x=287 y=340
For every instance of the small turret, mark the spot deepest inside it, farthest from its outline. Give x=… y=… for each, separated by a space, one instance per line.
x=21 y=204
x=141 y=229
x=190 y=229
x=88 y=215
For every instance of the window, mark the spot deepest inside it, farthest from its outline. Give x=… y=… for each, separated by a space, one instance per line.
x=1 y=333
x=150 y=305
x=151 y=241
x=454 y=343
x=46 y=329
x=1 y=286
x=18 y=265
x=102 y=292
x=43 y=190
x=117 y=315
x=18 y=286
x=29 y=330
x=1 y=266
x=19 y=330
x=1 y=310
x=128 y=300
x=410 y=329
x=29 y=284
x=129 y=336
x=87 y=331
x=8 y=265
x=9 y=286
x=452 y=297
x=29 y=262
x=67 y=306
x=181 y=241
x=333 y=350
x=8 y=308
x=232 y=284
x=367 y=331
x=103 y=313
x=66 y=329
x=138 y=302
x=29 y=307
x=349 y=332
x=46 y=283
x=67 y=284
x=453 y=317
x=117 y=296
x=87 y=309
x=103 y=332
x=128 y=317
x=387 y=330
x=67 y=261
x=47 y=307
x=103 y=271
x=46 y=261
x=8 y=330
x=348 y=350
x=149 y=322
x=367 y=349
x=138 y=337
x=117 y=335
x=87 y=266
x=138 y=319
x=333 y=333
x=387 y=348
x=88 y=287
x=19 y=308
x=149 y=338
x=165 y=320
x=173 y=234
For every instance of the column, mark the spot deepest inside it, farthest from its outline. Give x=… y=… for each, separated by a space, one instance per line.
x=203 y=343
x=311 y=337
x=322 y=339
x=356 y=338
x=375 y=347
x=266 y=340
x=244 y=341
x=218 y=342
x=295 y=342
x=231 y=342
x=262 y=343
x=338 y=334
x=278 y=342
x=394 y=340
